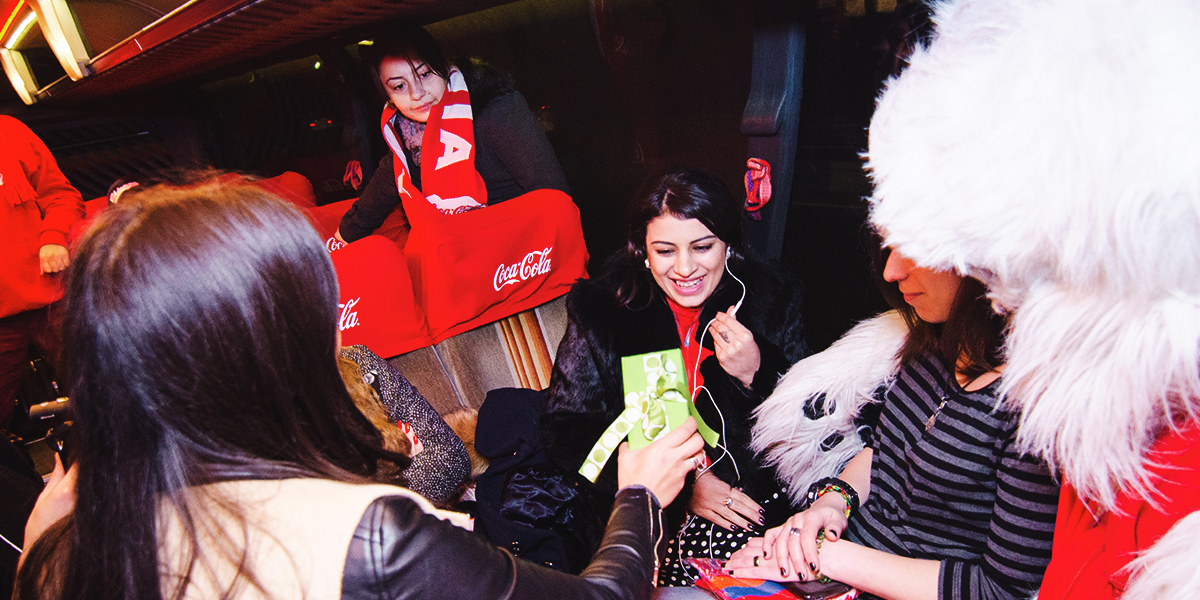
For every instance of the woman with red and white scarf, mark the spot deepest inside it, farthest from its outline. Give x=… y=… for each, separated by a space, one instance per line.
x=491 y=147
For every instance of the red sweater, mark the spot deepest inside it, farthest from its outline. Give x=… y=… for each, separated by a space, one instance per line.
x=37 y=207
x=1090 y=552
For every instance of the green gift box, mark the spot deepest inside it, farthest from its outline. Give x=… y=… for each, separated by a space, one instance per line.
x=657 y=383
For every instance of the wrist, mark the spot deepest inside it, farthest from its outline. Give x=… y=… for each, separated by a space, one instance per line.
x=831 y=502
x=637 y=489
x=833 y=558
x=832 y=487
x=52 y=237
x=747 y=381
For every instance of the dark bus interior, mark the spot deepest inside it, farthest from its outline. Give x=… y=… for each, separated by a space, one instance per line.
x=623 y=88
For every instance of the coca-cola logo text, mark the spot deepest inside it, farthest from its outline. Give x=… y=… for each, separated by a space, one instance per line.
x=332 y=244
x=348 y=319
x=535 y=263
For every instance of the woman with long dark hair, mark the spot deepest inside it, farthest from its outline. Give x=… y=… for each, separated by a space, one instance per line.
x=218 y=453
x=682 y=281
x=935 y=500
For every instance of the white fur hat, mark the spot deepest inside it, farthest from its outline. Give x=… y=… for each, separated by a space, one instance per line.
x=1051 y=148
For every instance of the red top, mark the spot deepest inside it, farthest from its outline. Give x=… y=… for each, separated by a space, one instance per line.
x=686 y=322
x=1090 y=552
x=37 y=207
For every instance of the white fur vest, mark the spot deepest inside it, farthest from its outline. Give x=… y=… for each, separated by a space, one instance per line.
x=847 y=376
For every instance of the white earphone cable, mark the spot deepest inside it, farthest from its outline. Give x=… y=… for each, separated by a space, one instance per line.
x=696 y=393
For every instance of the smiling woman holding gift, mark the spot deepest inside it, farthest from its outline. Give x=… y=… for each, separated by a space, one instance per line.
x=675 y=286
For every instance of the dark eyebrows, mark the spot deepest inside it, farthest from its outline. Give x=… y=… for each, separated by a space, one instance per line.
x=415 y=69
x=707 y=238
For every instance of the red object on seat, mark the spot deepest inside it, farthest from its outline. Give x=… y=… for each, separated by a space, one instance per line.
x=326 y=219
x=376 y=301
x=95 y=206
x=92 y=209
x=473 y=268
x=758 y=186
x=293 y=187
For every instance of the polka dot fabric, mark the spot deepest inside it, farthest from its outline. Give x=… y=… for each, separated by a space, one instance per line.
x=700 y=538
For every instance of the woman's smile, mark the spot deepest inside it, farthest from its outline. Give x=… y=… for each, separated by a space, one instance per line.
x=686 y=259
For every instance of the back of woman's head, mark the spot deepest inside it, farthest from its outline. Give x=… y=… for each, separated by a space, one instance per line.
x=203 y=319
x=200 y=343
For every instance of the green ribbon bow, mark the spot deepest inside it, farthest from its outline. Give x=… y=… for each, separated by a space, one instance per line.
x=646 y=407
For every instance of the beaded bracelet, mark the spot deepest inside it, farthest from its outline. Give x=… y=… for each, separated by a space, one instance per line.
x=833 y=484
x=821 y=538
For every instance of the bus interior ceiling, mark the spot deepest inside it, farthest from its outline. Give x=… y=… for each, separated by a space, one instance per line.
x=624 y=88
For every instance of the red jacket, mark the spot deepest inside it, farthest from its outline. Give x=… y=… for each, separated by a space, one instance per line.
x=37 y=207
x=1091 y=552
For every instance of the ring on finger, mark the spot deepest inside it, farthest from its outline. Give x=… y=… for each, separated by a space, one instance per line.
x=756 y=561
x=728 y=501
x=725 y=336
x=794 y=531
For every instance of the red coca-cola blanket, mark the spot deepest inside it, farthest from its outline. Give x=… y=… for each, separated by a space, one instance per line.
x=472 y=264
x=376 y=306
x=474 y=268
x=468 y=264
x=456 y=273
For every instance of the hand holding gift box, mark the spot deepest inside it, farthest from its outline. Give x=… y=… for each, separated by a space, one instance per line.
x=657 y=400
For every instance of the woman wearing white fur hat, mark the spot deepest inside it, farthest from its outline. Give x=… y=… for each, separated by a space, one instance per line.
x=936 y=502
x=1052 y=148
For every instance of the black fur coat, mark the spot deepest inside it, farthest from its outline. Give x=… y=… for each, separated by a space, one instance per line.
x=585 y=393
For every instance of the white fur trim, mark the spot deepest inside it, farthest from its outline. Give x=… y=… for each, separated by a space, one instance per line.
x=1168 y=568
x=1051 y=148
x=848 y=374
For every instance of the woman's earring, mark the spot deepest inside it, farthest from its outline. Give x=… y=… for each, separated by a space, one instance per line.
x=647 y=263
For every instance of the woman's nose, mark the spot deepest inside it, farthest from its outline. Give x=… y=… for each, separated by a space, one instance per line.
x=417 y=90
x=896 y=268
x=684 y=264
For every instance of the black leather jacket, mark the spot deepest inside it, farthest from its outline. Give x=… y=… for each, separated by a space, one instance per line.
x=400 y=552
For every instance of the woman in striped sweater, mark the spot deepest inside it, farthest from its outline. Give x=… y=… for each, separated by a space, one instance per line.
x=935 y=501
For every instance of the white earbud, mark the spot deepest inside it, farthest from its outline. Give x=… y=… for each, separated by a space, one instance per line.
x=733 y=311
x=647 y=263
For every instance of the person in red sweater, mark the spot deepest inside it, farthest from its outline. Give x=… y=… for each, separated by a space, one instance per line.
x=38 y=206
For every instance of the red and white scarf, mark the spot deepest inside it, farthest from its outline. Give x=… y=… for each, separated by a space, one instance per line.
x=448 y=175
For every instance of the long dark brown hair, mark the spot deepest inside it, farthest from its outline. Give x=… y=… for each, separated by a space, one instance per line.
x=971 y=341
x=200 y=346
